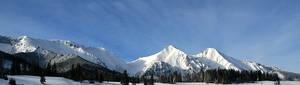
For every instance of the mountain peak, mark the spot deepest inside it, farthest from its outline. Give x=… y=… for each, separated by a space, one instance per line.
x=169 y=55
x=211 y=52
x=171 y=47
x=208 y=51
x=213 y=49
x=23 y=37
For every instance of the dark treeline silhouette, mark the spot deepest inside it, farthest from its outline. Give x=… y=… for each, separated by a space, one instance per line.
x=233 y=76
x=2 y=72
x=223 y=76
x=80 y=72
x=18 y=66
x=77 y=72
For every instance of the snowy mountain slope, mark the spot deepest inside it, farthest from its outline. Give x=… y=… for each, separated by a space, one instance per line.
x=161 y=69
x=170 y=55
x=60 y=48
x=182 y=62
x=109 y=60
x=224 y=61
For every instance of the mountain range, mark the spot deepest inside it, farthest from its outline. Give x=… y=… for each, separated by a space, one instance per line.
x=170 y=59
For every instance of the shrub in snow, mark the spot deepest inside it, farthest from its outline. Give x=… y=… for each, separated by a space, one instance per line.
x=92 y=82
x=43 y=79
x=12 y=82
x=5 y=77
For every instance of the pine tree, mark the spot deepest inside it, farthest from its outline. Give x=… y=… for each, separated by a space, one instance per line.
x=54 y=69
x=12 y=82
x=78 y=73
x=151 y=80
x=43 y=79
x=202 y=75
x=1 y=68
x=72 y=72
x=176 y=77
x=125 y=79
x=144 y=80
x=48 y=69
x=276 y=79
x=16 y=68
x=99 y=76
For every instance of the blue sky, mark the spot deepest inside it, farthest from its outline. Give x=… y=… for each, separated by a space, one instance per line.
x=266 y=31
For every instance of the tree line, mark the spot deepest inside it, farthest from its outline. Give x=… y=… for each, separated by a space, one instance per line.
x=77 y=72
x=233 y=76
x=223 y=76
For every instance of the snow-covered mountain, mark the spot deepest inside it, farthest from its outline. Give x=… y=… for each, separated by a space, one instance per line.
x=170 y=59
x=61 y=50
x=215 y=59
x=178 y=61
x=169 y=55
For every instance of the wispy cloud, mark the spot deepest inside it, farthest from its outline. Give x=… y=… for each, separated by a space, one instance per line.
x=263 y=31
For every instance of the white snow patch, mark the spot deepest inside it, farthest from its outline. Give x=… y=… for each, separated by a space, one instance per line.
x=35 y=80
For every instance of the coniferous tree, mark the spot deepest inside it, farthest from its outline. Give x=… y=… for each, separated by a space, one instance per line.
x=72 y=72
x=176 y=77
x=42 y=79
x=78 y=73
x=12 y=82
x=5 y=76
x=75 y=72
x=201 y=75
x=99 y=76
x=48 y=69
x=125 y=79
x=276 y=79
x=144 y=80
x=151 y=80
x=100 y=79
x=54 y=69
x=1 y=68
x=16 y=68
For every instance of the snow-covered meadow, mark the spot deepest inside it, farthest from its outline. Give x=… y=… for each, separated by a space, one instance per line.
x=35 y=80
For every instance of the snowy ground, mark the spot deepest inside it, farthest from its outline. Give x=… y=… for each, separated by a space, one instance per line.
x=34 y=80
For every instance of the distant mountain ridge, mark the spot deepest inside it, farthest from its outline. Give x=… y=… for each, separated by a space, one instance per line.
x=170 y=59
x=61 y=50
